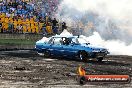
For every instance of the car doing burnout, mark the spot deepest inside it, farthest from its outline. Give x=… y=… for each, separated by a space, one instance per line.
x=70 y=47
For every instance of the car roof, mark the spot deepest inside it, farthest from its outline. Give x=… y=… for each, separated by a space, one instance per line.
x=64 y=37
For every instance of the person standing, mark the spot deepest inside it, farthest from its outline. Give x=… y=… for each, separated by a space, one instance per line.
x=54 y=22
x=54 y=26
x=1 y=31
x=64 y=26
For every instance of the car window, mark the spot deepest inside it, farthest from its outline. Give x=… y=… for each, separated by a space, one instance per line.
x=50 y=41
x=75 y=41
x=57 y=41
x=65 y=41
x=82 y=41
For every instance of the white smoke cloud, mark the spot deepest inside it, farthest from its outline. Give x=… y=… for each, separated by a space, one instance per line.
x=117 y=11
x=115 y=47
x=120 y=10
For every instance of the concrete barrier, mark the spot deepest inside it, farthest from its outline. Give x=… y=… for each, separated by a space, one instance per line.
x=13 y=47
x=33 y=37
x=21 y=36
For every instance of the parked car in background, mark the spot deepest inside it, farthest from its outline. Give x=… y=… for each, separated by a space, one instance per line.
x=70 y=47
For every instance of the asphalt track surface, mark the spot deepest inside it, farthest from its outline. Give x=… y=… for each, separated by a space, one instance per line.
x=26 y=69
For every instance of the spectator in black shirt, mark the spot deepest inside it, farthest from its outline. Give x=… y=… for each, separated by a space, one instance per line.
x=54 y=27
x=64 y=26
x=54 y=22
x=1 y=30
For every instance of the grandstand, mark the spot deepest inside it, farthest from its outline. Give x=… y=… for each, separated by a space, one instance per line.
x=25 y=16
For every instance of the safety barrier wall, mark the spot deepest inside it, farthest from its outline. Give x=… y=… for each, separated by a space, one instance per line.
x=17 y=47
x=21 y=36
x=33 y=37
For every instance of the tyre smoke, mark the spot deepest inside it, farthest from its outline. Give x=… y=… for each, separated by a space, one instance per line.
x=104 y=22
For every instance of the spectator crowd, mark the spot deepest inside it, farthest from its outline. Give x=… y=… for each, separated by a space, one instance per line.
x=25 y=16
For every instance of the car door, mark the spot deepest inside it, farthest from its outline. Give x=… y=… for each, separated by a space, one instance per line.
x=56 y=50
x=55 y=47
x=69 y=50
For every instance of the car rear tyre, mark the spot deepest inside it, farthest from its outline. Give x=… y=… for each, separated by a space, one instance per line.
x=100 y=59
x=46 y=53
x=83 y=56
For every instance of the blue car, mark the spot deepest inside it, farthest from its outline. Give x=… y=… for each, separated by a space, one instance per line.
x=70 y=47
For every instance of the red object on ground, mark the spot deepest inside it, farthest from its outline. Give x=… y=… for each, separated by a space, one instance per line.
x=102 y=78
